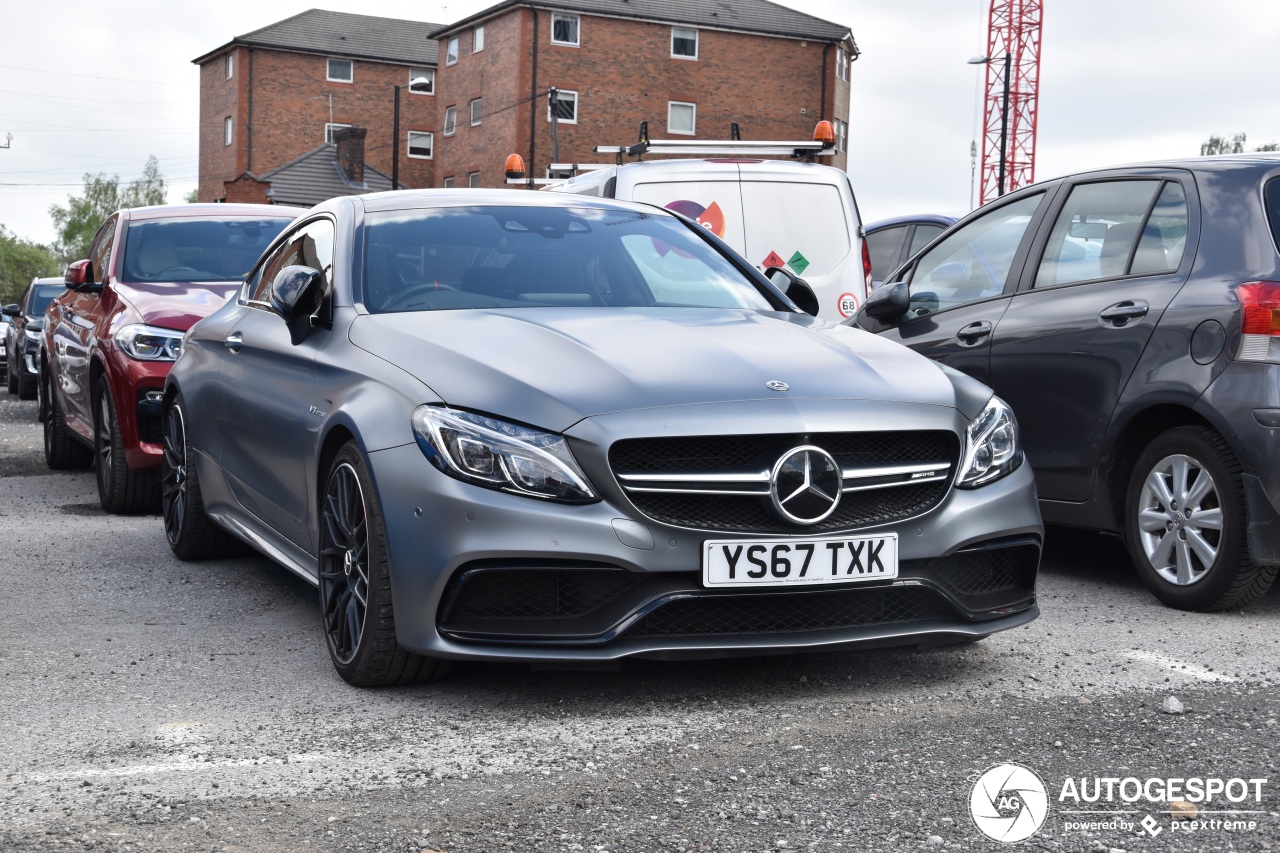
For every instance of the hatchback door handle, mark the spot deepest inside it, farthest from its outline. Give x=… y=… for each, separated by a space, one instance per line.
x=233 y=341
x=974 y=332
x=1124 y=311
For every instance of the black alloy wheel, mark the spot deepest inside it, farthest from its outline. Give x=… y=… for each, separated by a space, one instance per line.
x=355 y=583
x=12 y=377
x=120 y=488
x=192 y=534
x=62 y=451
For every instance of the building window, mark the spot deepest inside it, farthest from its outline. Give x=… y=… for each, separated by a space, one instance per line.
x=330 y=129
x=477 y=40
x=340 y=71
x=842 y=135
x=473 y=180
x=477 y=110
x=422 y=81
x=421 y=144
x=564 y=29
x=228 y=130
x=450 y=120
x=842 y=64
x=681 y=117
x=448 y=182
x=684 y=43
x=230 y=65
x=563 y=107
x=451 y=52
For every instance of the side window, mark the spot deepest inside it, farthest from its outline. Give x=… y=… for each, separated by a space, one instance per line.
x=885 y=246
x=100 y=250
x=973 y=263
x=1101 y=225
x=309 y=246
x=924 y=233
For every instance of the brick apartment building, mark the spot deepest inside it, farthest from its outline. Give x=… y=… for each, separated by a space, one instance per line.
x=481 y=88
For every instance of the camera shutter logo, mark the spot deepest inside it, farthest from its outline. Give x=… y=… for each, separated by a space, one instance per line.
x=1009 y=803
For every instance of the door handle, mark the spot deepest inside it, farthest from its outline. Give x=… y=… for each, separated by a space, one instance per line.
x=974 y=332
x=233 y=341
x=1123 y=312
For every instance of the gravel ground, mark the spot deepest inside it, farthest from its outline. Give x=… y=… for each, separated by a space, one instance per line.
x=154 y=705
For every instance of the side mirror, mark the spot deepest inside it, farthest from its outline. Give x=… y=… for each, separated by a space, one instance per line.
x=79 y=274
x=888 y=303
x=36 y=325
x=296 y=293
x=11 y=310
x=796 y=289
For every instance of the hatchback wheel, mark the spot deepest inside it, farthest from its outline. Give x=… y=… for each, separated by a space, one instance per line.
x=13 y=375
x=192 y=534
x=61 y=450
x=120 y=488
x=26 y=385
x=1185 y=523
x=355 y=583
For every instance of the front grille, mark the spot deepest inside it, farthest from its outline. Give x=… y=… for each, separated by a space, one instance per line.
x=535 y=594
x=999 y=574
x=697 y=505
x=792 y=612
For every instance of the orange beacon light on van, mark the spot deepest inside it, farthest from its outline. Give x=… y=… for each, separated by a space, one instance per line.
x=824 y=132
x=515 y=167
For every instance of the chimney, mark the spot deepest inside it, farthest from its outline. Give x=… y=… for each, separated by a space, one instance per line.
x=350 y=141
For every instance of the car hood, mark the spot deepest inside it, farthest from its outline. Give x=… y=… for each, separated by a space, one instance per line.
x=551 y=367
x=176 y=305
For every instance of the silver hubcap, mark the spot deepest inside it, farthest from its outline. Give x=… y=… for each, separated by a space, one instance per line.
x=1180 y=519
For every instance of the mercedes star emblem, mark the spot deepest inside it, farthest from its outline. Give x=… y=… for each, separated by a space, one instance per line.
x=776 y=385
x=806 y=485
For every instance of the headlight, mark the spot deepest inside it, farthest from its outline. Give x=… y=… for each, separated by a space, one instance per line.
x=149 y=343
x=32 y=335
x=500 y=455
x=994 y=449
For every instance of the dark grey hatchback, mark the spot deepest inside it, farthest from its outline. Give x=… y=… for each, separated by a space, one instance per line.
x=1131 y=318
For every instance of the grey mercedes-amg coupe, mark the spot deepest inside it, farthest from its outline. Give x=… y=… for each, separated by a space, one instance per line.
x=519 y=426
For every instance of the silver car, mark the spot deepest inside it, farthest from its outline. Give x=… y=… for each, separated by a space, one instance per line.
x=516 y=426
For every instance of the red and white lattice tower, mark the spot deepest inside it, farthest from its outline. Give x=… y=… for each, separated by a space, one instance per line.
x=1014 y=31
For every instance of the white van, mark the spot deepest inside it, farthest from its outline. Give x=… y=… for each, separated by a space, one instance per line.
x=801 y=216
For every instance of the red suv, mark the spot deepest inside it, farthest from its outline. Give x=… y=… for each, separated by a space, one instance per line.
x=112 y=335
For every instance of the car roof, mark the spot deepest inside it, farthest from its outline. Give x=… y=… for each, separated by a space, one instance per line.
x=175 y=211
x=468 y=197
x=928 y=218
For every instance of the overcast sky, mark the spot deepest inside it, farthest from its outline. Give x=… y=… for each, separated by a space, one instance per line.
x=97 y=87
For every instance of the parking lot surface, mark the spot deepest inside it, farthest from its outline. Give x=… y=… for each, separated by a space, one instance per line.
x=153 y=705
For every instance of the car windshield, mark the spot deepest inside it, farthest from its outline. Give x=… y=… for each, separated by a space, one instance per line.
x=41 y=296
x=526 y=257
x=201 y=248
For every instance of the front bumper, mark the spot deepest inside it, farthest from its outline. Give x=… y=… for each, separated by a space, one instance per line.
x=443 y=534
x=137 y=388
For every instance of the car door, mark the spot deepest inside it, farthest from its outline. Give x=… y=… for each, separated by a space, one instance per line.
x=267 y=424
x=76 y=317
x=960 y=287
x=1085 y=308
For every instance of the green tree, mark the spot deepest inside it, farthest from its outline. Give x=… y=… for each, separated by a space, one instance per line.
x=1235 y=145
x=193 y=196
x=78 y=221
x=20 y=261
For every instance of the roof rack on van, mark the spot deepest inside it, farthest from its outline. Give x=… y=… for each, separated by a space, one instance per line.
x=822 y=145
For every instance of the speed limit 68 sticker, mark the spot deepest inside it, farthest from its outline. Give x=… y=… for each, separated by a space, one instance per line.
x=847 y=305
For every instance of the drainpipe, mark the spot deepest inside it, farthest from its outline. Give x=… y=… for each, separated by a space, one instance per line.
x=533 y=96
x=249 y=130
x=826 y=51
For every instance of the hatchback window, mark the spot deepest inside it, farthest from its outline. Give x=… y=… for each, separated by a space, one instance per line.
x=1271 y=195
x=973 y=263
x=196 y=249
x=530 y=257
x=40 y=297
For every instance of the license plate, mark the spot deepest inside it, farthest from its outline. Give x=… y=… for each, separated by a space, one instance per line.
x=735 y=562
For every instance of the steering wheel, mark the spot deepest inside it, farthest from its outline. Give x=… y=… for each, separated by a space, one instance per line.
x=404 y=298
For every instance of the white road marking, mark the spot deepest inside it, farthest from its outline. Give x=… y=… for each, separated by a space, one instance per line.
x=1191 y=670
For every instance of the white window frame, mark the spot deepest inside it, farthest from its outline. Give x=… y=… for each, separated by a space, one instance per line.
x=429 y=73
x=477 y=39
x=559 y=94
x=450 y=120
x=229 y=66
x=431 y=144
x=331 y=128
x=696 y=40
x=473 y=179
x=228 y=130
x=451 y=51
x=842 y=135
x=577 y=19
x=328 y=70
x=449 y=182
x=693 y=107
x=477 y=111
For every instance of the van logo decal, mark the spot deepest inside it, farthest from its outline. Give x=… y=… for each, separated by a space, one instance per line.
x=710 y=217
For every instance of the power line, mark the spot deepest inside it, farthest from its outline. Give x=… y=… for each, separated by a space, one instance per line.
x=91 y=76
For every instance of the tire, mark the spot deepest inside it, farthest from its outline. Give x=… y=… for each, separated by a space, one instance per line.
x=1185 y=523
x=12 y=374
x=355 y=583
x=26 y=385
x=62 y=451
x=192 y=534
x=121 y=489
